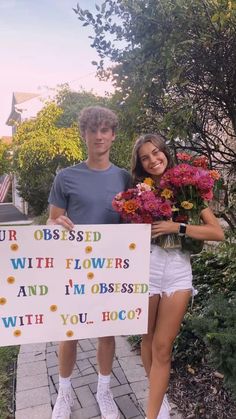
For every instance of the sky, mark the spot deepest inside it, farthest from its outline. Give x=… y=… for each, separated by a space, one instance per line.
x=43 y=44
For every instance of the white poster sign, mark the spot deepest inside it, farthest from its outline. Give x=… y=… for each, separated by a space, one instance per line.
x=58 y=285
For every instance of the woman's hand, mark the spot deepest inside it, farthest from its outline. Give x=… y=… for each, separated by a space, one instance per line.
x=164 y=227
x=209 y=230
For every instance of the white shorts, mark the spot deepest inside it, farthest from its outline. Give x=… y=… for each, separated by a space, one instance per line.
x=170 y=271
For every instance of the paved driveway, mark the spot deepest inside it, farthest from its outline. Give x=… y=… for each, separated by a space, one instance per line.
x=9 y=213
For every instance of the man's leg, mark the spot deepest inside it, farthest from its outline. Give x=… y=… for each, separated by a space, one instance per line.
x=67 y=358
x=105 y=355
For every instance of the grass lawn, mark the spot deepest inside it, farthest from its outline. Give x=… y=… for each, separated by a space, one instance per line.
x=8 y=357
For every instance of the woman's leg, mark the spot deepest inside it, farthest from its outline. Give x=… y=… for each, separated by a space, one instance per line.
x=146 y=345
x=171 y=311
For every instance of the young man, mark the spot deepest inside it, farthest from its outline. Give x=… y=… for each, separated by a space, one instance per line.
x=82 y=194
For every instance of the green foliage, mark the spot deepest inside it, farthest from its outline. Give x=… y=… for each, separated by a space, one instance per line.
x=215 y=272
x=8 y=355
x=167 y=56
x=209 y=328
x=216 y=326
x=5 y=159
x=40 y=149
x=121 y=151
x=135 y=341
x=188 y=348
x=42 y=218
x=72 y=103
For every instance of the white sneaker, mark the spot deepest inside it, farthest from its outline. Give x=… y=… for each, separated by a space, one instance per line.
x=64 y=402
x=165 y=409
x=107 y=406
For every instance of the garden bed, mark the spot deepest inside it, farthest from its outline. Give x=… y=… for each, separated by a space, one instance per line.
x=199 y=393
x=8 y=359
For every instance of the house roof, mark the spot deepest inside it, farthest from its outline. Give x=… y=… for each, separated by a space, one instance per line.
x=20 y=97
x=17 y=98
x=6 y=139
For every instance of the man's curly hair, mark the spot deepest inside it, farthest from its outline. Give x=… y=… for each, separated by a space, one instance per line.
x=95 y=116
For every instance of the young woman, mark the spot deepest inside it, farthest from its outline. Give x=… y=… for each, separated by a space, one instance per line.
x=170 y=276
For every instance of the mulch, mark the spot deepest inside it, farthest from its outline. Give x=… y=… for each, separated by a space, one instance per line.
x=199 y=393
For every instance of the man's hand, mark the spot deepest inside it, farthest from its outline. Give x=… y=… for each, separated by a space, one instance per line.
x=63 y=221
x=57 y=216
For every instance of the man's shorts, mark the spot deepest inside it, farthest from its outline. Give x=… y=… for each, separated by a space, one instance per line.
x=170 y=271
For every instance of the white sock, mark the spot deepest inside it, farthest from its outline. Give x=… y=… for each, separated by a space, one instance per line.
x=103 y=382
x=64 y=382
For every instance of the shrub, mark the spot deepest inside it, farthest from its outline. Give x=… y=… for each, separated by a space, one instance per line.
x=216 y=326
x=209 y=328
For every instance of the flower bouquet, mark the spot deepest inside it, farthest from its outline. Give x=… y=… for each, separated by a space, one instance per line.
x=192 y=184
x=145 y=204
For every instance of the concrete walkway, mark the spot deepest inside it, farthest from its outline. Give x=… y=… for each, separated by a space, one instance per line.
x=9 y=213
x=37 y=381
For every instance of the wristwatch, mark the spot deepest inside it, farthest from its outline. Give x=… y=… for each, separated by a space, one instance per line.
x=182 y=230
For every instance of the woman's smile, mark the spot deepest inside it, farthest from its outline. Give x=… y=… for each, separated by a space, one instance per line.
x=152 y=159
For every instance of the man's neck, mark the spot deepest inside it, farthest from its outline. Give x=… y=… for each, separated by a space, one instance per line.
x=98 y=164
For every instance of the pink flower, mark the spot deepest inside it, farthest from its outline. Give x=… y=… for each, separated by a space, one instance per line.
x=147 y=219
x=203 y=180
x=165 y=209
x=207 y=196
x=142 y=187
x=118 y=205
x=129 y=194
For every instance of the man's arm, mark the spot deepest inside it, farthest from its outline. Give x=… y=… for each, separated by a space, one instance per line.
x=57 y=216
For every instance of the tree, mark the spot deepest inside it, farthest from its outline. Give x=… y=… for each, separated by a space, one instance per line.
x=174 y=69
x=5 y=158
x=40 y=149
x=72 y=103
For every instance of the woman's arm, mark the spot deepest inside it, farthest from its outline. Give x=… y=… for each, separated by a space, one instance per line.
x=210 y=230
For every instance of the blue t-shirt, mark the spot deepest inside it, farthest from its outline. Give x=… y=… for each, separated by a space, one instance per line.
x=86 y=194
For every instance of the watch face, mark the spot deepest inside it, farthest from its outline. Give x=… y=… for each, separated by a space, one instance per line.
x=182 y=229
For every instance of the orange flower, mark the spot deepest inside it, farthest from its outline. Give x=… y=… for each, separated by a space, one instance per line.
x=149 y=181
x=201 y=161
x=17 y=333
x=69 y=333
x=88 y=249
x=184 y=156
x=130 y=206
x=214 y=174
x=90 y=275
x=132 y=246
x=53 y=307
